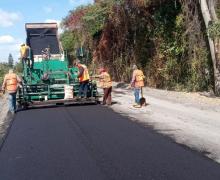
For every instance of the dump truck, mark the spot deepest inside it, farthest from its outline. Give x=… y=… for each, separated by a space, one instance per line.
x=48 y=73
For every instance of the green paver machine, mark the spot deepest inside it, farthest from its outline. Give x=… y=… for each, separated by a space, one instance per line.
x=48 y=71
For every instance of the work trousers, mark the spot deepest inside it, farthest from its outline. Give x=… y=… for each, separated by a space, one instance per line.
x=107 y=98
x=28 y=62
x=83 y=89
x=137 y=95
x=12 y=102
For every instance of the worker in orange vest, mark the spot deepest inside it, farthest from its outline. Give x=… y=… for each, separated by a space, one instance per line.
x=11 y=84
x=137 y=83
x=105 y=83
x=83 y=75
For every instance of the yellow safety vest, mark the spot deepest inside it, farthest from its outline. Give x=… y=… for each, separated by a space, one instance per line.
x=105 y=80
x=24 y=51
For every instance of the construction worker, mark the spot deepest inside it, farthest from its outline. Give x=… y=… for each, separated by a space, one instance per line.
x=105 y=83
x=137 y=83
x=83 y=75
x=25 y=54
x=11 y=84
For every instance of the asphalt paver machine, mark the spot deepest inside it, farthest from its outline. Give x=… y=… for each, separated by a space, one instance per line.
x=46 y=72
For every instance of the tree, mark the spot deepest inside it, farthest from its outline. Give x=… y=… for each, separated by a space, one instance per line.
x=10 y=60
x=167 y=39
x=209 y=17
x=18 y=67
x=3 y=70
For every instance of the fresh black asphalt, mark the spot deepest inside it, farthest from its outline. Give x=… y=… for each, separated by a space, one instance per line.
x=94 y=143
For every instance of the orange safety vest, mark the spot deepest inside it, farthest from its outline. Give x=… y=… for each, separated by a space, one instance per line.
x=11 y=82
x=139 y=78
x=105 y=80
x=85 y=75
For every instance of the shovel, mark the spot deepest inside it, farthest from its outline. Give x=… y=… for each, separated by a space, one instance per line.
x=142 y=99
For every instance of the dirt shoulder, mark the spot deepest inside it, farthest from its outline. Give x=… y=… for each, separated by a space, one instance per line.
x=191 y=119
x=5 y=118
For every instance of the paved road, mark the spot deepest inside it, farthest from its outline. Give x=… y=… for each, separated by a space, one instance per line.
x=94 y=143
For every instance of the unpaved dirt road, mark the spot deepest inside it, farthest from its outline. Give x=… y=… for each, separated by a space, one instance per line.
x=92 y=143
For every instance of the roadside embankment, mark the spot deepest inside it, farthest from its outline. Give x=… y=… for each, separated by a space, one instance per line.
x=5 y=118
x=191 y=119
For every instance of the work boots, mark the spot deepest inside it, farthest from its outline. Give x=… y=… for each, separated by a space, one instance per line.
x=137 y=105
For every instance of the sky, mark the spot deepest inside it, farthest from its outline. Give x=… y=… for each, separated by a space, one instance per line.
x=15 y=13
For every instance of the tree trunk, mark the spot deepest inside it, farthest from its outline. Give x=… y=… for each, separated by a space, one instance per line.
x=206 y=12
x=211 y=5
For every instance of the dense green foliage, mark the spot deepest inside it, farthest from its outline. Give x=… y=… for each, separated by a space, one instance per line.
x=214 y=30
x=165 y=38
x=4 y=68
x=94 y=19
x=69 y=40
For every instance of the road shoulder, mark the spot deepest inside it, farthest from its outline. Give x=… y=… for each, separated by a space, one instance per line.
x=5 y=119
x=191 y=119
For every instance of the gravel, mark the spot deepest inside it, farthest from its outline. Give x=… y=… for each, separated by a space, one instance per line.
x=191 y=119
x=5 y=118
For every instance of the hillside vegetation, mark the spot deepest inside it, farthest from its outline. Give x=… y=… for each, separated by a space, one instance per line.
x=167 y=39
x=4 y=68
